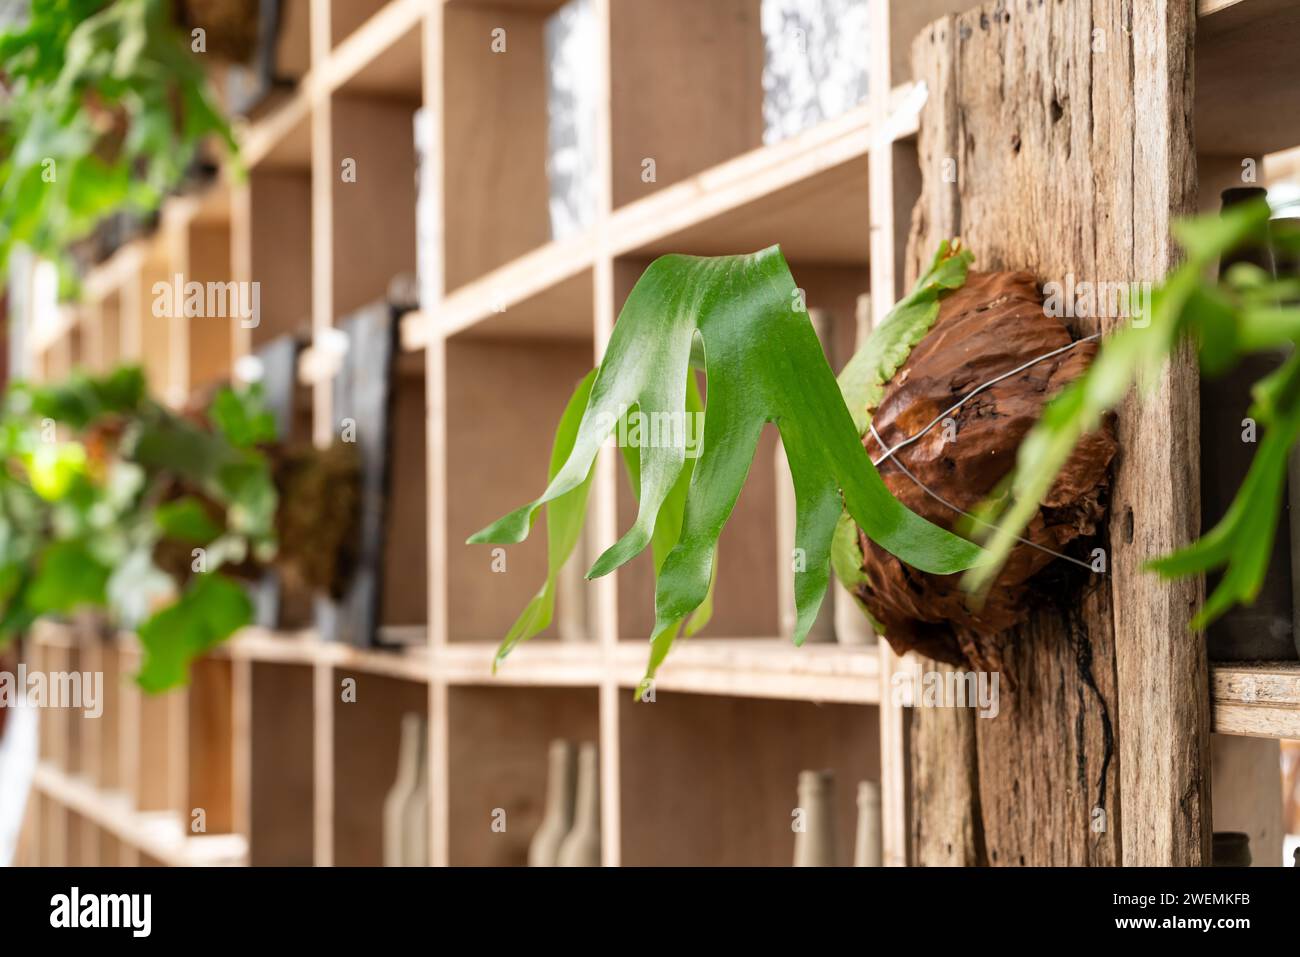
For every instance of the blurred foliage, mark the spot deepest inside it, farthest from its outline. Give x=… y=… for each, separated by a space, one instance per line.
x=1249 y=311
x=110 y=501
x=103 y=110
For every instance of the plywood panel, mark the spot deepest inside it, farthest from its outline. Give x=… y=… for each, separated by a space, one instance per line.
x=405 y=574
x=366 y=737
x=711 y=782
x=501 y=454
x=664 y=57
x=498 y=749
x=160 y=781
x=110 y=335
x=494 y=169
x=347 y=15
x=280 y=250
x=209 y=336
x=374 y=217
x=211 y=729
x=280 y=826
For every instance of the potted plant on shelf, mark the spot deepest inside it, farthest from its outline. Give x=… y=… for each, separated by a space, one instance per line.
x=105 y=110
x=111 y=501
x=1034 y=481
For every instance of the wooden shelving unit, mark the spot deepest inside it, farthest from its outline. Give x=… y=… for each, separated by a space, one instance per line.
x=509 y=320
x=1259 y=699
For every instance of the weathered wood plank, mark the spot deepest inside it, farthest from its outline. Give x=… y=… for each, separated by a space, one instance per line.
x=1261 y=699
x=1057 y=138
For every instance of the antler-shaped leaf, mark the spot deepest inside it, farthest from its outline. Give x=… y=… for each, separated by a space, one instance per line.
x=763 y=363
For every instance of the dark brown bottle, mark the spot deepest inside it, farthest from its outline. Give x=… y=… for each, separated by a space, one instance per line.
x=1231 y=849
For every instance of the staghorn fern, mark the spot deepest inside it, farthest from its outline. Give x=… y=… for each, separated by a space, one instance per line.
x=742 y=319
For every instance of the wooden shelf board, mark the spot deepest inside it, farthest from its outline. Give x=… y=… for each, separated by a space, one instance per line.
x=759 y=668
x=536 y=663
x=305 y=647
x=1260 y=699
x=792 y=193
x=903 y=116
x=158 y=834
x=381 y=57
x=49 y=633
x=1247 y=97
x=799 y=193
x=202 y=207
x=539 y=7
x=115 y=271
x=281 y=137
x=543 y=294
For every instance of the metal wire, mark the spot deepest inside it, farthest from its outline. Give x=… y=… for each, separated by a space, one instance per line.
x=976 y=391
x=953 y=408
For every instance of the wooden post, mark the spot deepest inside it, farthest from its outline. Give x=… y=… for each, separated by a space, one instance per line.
x=1057 y=138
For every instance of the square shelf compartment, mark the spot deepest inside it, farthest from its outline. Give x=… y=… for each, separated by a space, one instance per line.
x=495 y=185
x=1247 y=100
x=498 y=744
x=686 y=90
x=712 y=781
x=502 y=458
x=347 y=16
x=754 y=579
x=278 y=239
x=281 y=763
x=373 y=181
x=367 y=736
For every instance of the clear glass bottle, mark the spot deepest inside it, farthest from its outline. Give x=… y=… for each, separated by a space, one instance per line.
x=866 y=849
x=557 y=818
x=581 y=848
x=815 y=841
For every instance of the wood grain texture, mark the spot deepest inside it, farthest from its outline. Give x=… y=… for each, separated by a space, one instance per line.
x=280 y=765
x=366 y=733
x=1261 y=699
x=494 y=125
x=210 y=786
x=497 y=762
x=711 y=781
x=1057 y=138
x=665 y=56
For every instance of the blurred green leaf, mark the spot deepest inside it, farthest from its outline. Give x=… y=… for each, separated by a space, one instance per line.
x=186 y=520
x=68 y=576
x=104 y=110
x=211 y=609
x=242 y=418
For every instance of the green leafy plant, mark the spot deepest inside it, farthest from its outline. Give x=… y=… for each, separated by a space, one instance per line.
x=739 y=318
x=742 y=320
x=110 y=501
x=104 y=109
x=1250 y=311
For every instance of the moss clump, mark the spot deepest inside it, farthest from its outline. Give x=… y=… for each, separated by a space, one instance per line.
x=991 y=325
x=319 y=517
